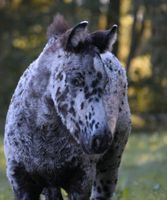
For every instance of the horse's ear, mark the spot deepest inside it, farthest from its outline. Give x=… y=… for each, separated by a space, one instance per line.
x=112 y=36
x=104 y=40
x=77 y=35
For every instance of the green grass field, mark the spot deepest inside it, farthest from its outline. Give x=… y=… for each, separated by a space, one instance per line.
x=143 y=173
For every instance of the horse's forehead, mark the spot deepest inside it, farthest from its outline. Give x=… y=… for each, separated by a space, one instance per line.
x=84 y=61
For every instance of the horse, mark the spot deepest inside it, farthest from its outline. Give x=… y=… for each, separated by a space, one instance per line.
x=69 y=119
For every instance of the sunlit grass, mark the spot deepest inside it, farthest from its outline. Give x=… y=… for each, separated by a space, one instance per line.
x=143 y=173
x=143 y=170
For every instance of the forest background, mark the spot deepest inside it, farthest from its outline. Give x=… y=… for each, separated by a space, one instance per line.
x=141 y=47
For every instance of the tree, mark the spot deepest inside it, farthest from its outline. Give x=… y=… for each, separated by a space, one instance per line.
x=113 y=17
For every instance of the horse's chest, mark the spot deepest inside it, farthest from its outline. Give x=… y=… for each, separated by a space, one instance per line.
x=63 y=170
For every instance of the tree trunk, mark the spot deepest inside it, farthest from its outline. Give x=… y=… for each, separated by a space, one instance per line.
x=136 y=35
x=113 y=16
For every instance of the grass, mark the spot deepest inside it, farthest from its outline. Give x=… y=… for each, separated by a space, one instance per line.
x=143 y=173
x=5 y=191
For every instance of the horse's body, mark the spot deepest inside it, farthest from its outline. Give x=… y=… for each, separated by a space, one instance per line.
x=68 y=121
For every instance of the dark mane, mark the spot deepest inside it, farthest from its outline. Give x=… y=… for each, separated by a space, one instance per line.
x=57 y=27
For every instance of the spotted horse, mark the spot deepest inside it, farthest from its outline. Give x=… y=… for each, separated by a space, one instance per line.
x=69 y=119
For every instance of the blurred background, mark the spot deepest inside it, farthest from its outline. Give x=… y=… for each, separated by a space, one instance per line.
x=141 y=48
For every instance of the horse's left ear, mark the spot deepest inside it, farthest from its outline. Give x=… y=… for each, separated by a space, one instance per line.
x=77 y=35
x=112 y=36
x=104 y=40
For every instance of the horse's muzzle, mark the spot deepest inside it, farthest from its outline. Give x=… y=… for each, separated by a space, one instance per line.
x=98 y=143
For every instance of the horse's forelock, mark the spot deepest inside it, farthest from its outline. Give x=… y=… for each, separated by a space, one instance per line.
x=57 y=27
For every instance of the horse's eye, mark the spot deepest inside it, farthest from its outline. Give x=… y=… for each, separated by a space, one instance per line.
x=77 y=82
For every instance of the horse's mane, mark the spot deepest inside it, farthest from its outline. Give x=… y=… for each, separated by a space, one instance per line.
x=57 y=27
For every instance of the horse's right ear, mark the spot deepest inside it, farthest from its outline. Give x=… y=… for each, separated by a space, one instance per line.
x=76 y=35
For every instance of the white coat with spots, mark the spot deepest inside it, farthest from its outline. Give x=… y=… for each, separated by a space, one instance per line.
x=69 y=119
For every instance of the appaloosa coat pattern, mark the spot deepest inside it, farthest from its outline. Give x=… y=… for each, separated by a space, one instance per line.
x=69 y=120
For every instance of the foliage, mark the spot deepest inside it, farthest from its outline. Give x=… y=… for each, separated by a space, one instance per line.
x=142 y=173
x=146 y=62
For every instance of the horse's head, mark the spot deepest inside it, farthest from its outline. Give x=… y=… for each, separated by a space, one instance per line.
x=78 y=80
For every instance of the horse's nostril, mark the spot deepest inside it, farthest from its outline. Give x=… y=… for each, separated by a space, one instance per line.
x=99 y=143
x=96 y=143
